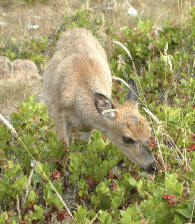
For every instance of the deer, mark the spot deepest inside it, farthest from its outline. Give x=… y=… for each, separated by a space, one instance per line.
x=77 y=88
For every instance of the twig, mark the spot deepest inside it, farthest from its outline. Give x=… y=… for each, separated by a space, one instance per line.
x=6 y=122
x=95 y=217
x=129 y=54
x=167 y=136
x=175 y=146
x=147 y=110
x=18 y=207
x=152 y=116
x=183 y=129
x=127 y=85
x=163 y=162
x=168 y=58
x=59 y=196
x=28 y=185
x=192 y=210
x=123 y=81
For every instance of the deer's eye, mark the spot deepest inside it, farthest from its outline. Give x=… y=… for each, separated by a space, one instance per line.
x=128 y=140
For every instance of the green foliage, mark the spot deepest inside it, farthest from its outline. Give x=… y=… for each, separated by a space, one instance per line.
x=33 y=1
x=35 y=50
x=172 y=186
x=81 y=216
x=105 y=217
x=41 y=49
x=130 y=215
x=106 y=186
x=3 y=217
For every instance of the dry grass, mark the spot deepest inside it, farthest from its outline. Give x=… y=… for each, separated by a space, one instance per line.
x=20 y=17
x=15 y=91
x=158 y=11
x=49 y=15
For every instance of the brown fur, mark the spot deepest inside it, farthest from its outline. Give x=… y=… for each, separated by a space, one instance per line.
x=77 y=88
x=137 y=124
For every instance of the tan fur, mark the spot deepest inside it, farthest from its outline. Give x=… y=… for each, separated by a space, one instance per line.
x=137 y=125
x=78 y=69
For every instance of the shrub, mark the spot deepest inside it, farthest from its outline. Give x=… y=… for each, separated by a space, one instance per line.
x=104 y=185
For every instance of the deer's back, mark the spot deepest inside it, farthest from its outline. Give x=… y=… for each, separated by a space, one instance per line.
x=78 y=69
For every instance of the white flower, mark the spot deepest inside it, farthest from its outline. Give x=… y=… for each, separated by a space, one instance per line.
x=3 y=23
x=32 y=27
x=33 y=163
x=132 y=11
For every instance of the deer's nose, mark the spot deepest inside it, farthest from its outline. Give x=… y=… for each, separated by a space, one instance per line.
x=152 y=168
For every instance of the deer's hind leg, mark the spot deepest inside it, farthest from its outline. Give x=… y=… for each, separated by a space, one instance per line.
x=63 y=128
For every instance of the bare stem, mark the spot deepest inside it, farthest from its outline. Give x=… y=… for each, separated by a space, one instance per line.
x=28 y=185
x=192 y=210
x=18 y=207
x=38 y=164
x=93 y=220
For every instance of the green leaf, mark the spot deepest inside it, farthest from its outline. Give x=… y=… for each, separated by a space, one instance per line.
x=178 y=219
x=193 y=186
x=140 y=185
x=116 y=201
x=20 y=183
x=186 y=212
x=172 y=185
x=13 y=222
x=37 y=214
x=32 y=197
x=39 y=167
x=105 y=218
x=3 y=217
x=131 y=215
x=51 y=198
x=38 y=210
x=192 y=164
x=132 y=181
x=103 y=187
x=81 y=216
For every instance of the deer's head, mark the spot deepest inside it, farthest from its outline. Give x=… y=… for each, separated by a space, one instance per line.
x=127 y=128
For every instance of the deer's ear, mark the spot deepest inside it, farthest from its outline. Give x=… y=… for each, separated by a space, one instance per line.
x=104 y=106
x=133 y=91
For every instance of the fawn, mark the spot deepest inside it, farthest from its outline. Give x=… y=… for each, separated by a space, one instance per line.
x=77 y=88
